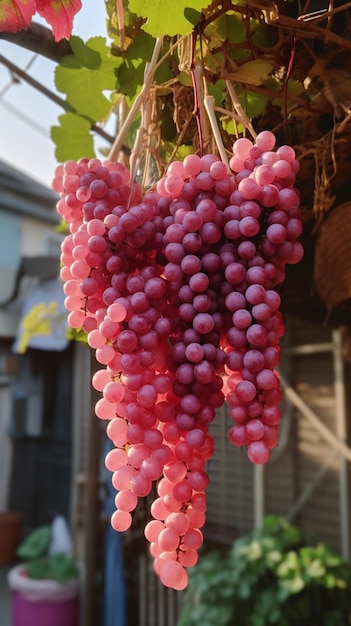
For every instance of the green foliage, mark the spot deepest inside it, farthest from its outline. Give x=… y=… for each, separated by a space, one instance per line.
x=131 y=70
x=78 y=334
x=231 y=45
x=166 y=17
x=85 y=74
x=84 y=77
x=72 y=138
x=227 y=27
x=57 y=567
x=269 y=576
x=41 y=565
x=36 y=544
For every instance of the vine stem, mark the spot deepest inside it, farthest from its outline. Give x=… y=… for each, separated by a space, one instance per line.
x=134 y=160
x=139 y=100
x=239 y=109
x=210 y=110
x=196 y=73
x=120 y=20
x=201 y=117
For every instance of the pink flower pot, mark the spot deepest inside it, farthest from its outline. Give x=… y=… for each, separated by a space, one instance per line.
x=42 y=602
x=26 y=613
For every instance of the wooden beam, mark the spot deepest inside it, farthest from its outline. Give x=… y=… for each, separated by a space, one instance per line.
x=39 y=39
x=327 y=434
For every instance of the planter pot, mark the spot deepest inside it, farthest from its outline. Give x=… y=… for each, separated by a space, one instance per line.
x=42 y=602
x=10 y=534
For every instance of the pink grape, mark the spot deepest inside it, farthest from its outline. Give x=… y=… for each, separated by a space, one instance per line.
x=258 y=452
x=242 y=147
x=265 y=141
x=192 y=164
x=121 y=520
x=248 y=188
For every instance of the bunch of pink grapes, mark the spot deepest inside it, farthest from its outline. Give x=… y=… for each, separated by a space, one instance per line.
x=116 y=292
x=176 y=291
x=227 y=243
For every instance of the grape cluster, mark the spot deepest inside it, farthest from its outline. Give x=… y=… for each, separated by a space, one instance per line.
x=227 y=246
x=176 y=292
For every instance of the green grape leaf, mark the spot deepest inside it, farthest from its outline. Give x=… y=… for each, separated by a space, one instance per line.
x=218 y=91
x=229 y=126
x=131 y=71
x=85 y=75
x=192 y=15
x=163 y=73
x=228 y=27
x=166 y=17
x=84 y=54
x=262 y=36
x=72 y=138
x=239 y=53
x=295 y=87
x=76 y=334
x=231 y=27
x=253 y=72
x=254 y=103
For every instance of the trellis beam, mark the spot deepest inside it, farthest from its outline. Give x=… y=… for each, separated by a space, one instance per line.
x=312 y=417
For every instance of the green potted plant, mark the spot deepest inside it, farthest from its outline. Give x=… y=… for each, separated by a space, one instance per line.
x=273 y=575
x=45 y=588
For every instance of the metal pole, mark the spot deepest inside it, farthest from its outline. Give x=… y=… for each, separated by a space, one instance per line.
x=259 y=493
x=341 y=432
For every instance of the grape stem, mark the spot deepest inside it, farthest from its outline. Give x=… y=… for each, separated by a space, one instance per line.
x=210 y=109
x=139 y=100
x=120 y=21
x=201 y=115
x=196 y=77
x=245 y=121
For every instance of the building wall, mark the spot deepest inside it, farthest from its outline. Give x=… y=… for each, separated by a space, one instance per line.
x=37 y=238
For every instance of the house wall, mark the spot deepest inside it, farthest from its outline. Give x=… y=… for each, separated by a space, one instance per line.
x=20 y=236
x=27 y=221
x=230 y=509
x=10 y=256
x=316 y=464
x=36 y=237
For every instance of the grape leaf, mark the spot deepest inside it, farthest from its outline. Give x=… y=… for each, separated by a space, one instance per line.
x=16 y=15
x=84 y=77
x=72 y=138
x=59 y=14
x=253 y=72
x=218 y=91
x=131 y=72
x=263 y=37
x=166 y=17
x=254 y=103
x=192 y=15
x=85 y=53
x=295 y=87
x=227 y=27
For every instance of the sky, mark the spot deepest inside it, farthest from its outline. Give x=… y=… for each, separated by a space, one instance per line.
x=26 y=115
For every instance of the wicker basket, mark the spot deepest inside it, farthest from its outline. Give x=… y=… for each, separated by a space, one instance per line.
x=332 y=267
